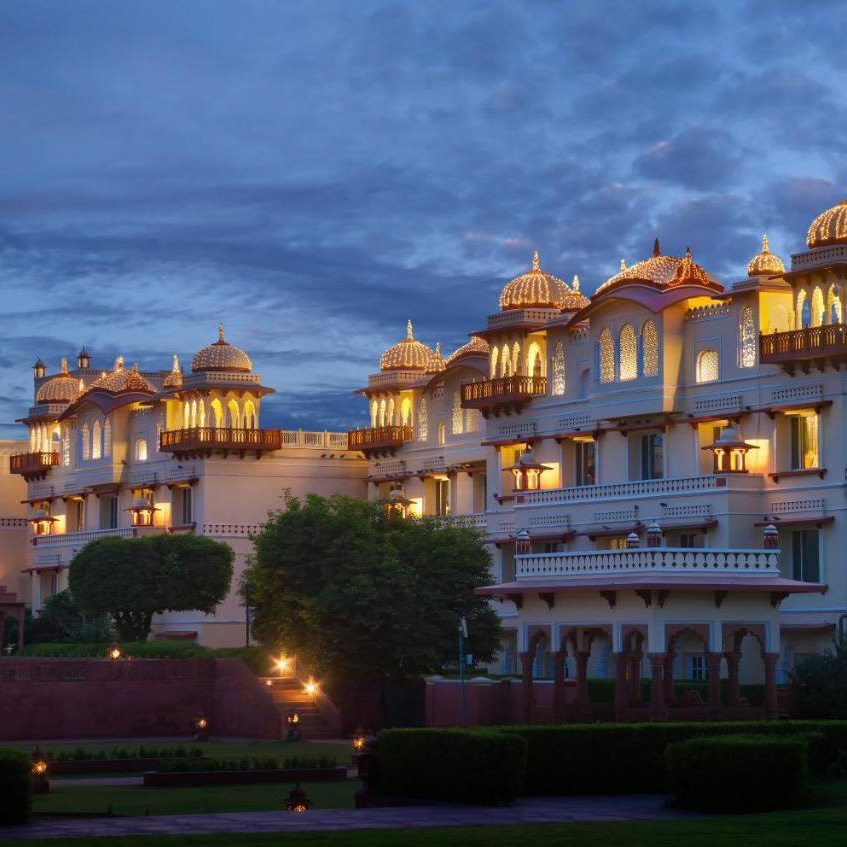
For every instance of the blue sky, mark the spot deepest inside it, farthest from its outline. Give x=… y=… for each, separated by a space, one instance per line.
x=315 y=173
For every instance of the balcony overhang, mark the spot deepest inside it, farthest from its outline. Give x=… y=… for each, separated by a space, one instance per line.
x=203 y=442
x=33 y=466
x=506 y=395
x=815 y=346
x=379 y=440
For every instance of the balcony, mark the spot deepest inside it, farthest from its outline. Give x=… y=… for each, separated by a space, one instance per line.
x=814 y=346
x=204 y=441
x=379 y=440
x=33 y=465
x=506 y=395
x=80 y=539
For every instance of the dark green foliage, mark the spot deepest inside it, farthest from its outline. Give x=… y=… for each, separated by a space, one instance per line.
x=134 y=649
x=739 y=773
x=819 y=685
x=627 y=758
x=81 y=754
x=61 y=619
x=15 y=787
x=450 y=764
x=131 y=579
x=358 y=593
x=256 y=658
x=245 y=764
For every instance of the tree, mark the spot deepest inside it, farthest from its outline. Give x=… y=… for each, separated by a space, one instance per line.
x=131 y=579
x=359 y=593
x=61 y=619
x=819 y=684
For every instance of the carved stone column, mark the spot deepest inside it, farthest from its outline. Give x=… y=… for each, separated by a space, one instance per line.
x=658 y=710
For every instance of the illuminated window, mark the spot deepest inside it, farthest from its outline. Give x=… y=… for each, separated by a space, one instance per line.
x=66 y=447
x=804 y=441
x=649 y=349
x=747 y=336
x=34 y=439
x=374 y=412
x=382 y=412
x=442 y=431
x=390 y=412
x=628 y=353
x=186 y=415
x=406 y=411
x=516 y=357
x=141 y=450
x=107 y=438
x=250 y=417
x=86 y=445
x=423 y=433
x=495 y=353
x=193 y=414
x=833 y=304
x=817 y=307
x=534 y=366
x=708 y=366
x=217 y=414
x=457 y=414
x=96 y=441
x=201 y=414
x=559 y=369
x=607 y=357
x=804 y=314
x=234 y=418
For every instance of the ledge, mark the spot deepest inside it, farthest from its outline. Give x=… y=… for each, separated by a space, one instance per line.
x=819 y=472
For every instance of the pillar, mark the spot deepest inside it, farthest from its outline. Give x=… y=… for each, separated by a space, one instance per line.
x=635 y=660
x=559 y=710
x=526 y=686
x=770 y=660
x=670 y=694
x=621 y=696
x=582 y=698
x=657 y=686
x=734 y=694
x=713 y=664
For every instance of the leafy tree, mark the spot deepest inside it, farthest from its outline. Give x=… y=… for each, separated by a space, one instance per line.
x=62 y=620
x=131 y=579
x=819 y=684
x=359 y=593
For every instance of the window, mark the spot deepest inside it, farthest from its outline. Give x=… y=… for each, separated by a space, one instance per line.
x=505 y=361
x=234 y=417
x=86 y=444
x=66 y=447
x=390 y=413
x=833 y=304
x=185 y=503
x=516 y=357
x=559 y=369
x=406 y=411
x=374 y=412
x=382 y=412
x=96 y=441
x=805 y=555
x=611 y=542
x=690 y=539
x=533 y=360
x=747 y=338
x=108 y=511
x=607 y=356
x=585 y=462
x=193 y=414
x=628 y=353
x=76 y=516
x=423 y=433
x=804 y=441
x=141 y=450
x=495 y=353
x=201 y=413
x=817 y=307
x=804 y=313
x=649 y=349
x=652 y=456
x=442 y=431
x=107 y=438
x=708 y=366
x=697 y=667
x=442 y=496
x=457 y=414
x=217 y=414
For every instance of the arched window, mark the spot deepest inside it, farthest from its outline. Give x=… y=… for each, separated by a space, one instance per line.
x=708 y=366
x=406 y=411
x=390 y=412
x=803 y=314
x=817 y=307
x=628 y=353
x=516 y=358
x=374 y=412
x=186 y=415
x=423 y=433
x=747 y=338
x=141 y=450
x=505 y=361
x=96 y=441
x=458 y=417
x=534 y=365
x=382 y=412
x=442 y=432
x=217 y=414
x=107 y=438
x=66 y=447
x=495 y=353
x=234 y=417
x=251 y=419
x=201 y=414
x=86 y=444
x=607 y=357
x=649 y=349
x=833 y=304
x=559 y=369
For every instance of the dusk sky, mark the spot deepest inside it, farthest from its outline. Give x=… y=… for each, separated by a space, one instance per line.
x=314 y=173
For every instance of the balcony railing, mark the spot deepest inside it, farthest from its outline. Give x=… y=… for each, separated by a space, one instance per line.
x=662 y=560
x=800 y=346
x=79 y=539
x=207 y=439
x=490 y=394
x=379 y=439
x=621 y=490
x=33 y=465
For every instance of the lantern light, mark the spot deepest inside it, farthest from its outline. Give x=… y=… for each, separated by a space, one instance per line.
x=293 y=721
x=141 y=512
x=283 y=664
x=310 y=688
x=42 y=522
x=297 y=800
x=527 y=472
x=40 y=783
x=114 y=652
x=730 y=451
x=201 y=728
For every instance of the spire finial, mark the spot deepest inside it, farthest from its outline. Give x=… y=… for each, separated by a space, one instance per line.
x=119 y=363
x=535 y=261
x=575 y=283
x=221 y=331
x=64 y=366
x=409 y=336
x=437 y=348
x=688 y=253
x=765 y=245
x=623 y=265
x=175 y=367
x=657 y=251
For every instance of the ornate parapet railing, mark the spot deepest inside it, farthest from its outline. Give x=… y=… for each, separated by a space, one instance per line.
x=619 y=490
x=79 y=539
x=33 y=465
x=504 y=394
x=379 y=440
x=478 y=520
x=205 y=440
x=814 y=345
x=648 y=560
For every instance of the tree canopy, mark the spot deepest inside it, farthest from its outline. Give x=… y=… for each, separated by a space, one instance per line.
x=131 y=579
x=819 y=684
x=358 y=593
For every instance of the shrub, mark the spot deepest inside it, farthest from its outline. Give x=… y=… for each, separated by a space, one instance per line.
x=135 y=649
x=270 y=764
x=819 y=685
x=739 y=773
x=15 y=788
x=256 y=658
x=626 y=758
x=449 y=764
x=80 y=754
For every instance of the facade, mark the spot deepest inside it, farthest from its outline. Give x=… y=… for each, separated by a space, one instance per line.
x=126 y=452
x=660 y=469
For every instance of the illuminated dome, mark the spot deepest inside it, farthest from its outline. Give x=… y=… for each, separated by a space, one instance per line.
x=59 y=389
x=174 y=378
x=535 y=288
x=765 y=263
x=829 y=227
x=574 y=299
x=121 y=380
x=221 y=356
x=408 y=354
x=476 y=345
x=436 y=362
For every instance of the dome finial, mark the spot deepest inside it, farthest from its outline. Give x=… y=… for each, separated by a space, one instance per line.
x=765 y=245
x=175 y=368
x=623 y=265
x=688 y=253
x=575 y=283
x=409 y=336
x=64 y=366
x=535 y=261
x=221 y=332
x=119 y=363
x=657 y=250
x=437 y=348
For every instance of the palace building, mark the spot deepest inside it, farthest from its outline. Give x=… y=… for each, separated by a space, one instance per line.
x=131 y=453
x=659 y=470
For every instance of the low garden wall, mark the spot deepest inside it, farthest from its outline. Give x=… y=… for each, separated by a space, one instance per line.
x=131 y=698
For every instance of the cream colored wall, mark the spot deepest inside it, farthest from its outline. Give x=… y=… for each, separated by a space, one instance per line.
x=14 y=537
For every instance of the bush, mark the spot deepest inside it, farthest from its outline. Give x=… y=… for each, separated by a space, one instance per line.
x=245 y=764
x=627 y=758
x=135 y=649
x=15 y=788
x=819 y=685
x=80 y=754
x=739 y=773
x=450 y=764
x=256 y=658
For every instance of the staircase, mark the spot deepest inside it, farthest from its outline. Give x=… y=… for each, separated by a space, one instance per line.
x=288 y=695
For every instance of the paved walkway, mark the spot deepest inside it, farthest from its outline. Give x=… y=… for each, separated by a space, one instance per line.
x=526 y=811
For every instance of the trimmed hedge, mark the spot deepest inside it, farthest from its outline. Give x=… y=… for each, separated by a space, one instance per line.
x=450 y=764
x=739 y=773
x=15 y=788
x=256 y=658
x=136 y=649
x=629 y=758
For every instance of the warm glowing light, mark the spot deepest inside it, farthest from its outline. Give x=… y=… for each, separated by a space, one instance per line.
x=39 y=767
x=310 y=687
x=268 y=682
x=829 y=227
x=202 y=723
x=115 y=652
x=282 y=664
x=410 y=354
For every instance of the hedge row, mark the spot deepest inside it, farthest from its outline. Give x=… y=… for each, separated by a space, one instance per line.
x=454 y=765
x=15 y=787
x=627 y=758
x=739 y=773
x=603 y=690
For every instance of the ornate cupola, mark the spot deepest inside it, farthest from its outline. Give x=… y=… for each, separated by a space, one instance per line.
x=408 y=355
x=829 y=227
x=221 y=356
x=765 y=263
x=83 y=359
x=730 y=452
x=58 y=389
x=535 y=288
x=38 y=369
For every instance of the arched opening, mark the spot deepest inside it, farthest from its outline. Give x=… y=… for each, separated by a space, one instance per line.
x=747 y=338
x=141 y=450
x=193 y=414
x=708 y=366
x=505 y=369
x=607 y=356
x=442 y=433
x=495 y=354
x=234 y=417
x=817 y=307
x=649 y=349
x=86 y=444
x=390 y=412
x=186 y=415
x=423 y=423
x=107 y=438
x=201 y=414
x=516 y=358
x=804 y=313
x=833 y=304
x=406 y=411
x=382 y=412
x=250 y=421
x=96 y=441
x=374 y=412
x=559 y=376
x=457 y=416
x=541 y=664
x=628 y=353
x=217 y=414
x=534 y=365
